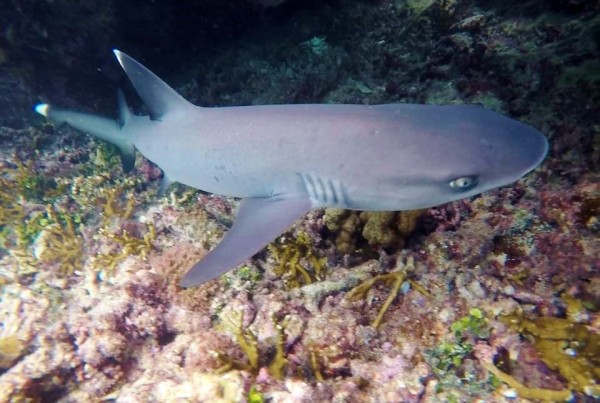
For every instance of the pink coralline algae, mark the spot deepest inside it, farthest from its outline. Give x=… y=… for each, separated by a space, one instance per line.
x=132 y=331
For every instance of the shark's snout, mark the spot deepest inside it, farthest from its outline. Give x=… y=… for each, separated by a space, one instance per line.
x=530 y=151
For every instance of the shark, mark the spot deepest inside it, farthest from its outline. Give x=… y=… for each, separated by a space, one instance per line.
x=285 y=160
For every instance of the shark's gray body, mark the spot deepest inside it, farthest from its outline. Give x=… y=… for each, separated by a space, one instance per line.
x=284 y=160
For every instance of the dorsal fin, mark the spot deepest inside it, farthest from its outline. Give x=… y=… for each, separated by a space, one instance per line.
x=156 y=94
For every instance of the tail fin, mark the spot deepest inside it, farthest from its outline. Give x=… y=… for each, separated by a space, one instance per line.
x=98 y=126
x=156 y=94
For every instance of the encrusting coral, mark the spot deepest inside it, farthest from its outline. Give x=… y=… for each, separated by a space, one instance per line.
x=378 y=228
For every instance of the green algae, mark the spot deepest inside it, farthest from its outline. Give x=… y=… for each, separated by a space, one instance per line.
x=474 y=323
x=254 y=396
x=451 y=361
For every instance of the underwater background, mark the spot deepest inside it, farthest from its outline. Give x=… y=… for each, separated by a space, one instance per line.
x=493 y=298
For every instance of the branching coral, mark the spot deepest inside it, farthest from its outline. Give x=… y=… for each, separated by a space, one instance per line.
x=343 y=223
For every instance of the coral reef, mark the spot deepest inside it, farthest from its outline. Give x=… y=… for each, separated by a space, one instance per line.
x=354 y=229
x=494 y=298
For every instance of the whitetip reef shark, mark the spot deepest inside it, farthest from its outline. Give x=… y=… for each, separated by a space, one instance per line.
x=284 y=160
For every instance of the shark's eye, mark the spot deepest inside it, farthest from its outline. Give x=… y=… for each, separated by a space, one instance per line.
x=464 y=182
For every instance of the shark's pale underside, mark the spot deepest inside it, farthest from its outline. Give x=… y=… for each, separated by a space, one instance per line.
x=284 y=160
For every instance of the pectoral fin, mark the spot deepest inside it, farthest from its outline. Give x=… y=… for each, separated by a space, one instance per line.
x=259 y=221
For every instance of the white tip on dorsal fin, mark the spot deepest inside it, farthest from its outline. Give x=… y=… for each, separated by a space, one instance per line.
x=156 y=94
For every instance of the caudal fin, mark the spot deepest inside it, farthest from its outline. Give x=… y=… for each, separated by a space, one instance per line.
x=98 y=126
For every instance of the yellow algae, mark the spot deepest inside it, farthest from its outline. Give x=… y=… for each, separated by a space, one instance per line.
x=113 y=207
x=11 y=208
x=128 y=245
x=395 y=280
x=530 y=393
x=248 y=342
x=58 y=243
x=297 y=260
x=279 y=362
x=316 y=368
x=565 y=346
x=10 y=349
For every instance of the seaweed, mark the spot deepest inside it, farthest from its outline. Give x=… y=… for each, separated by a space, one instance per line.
x=297 y=260
x=395 y=280
x=59 y=243
x=564 y=345
x=248 y=342
x=451 y=361
x=127 y=245
x=10 y=349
